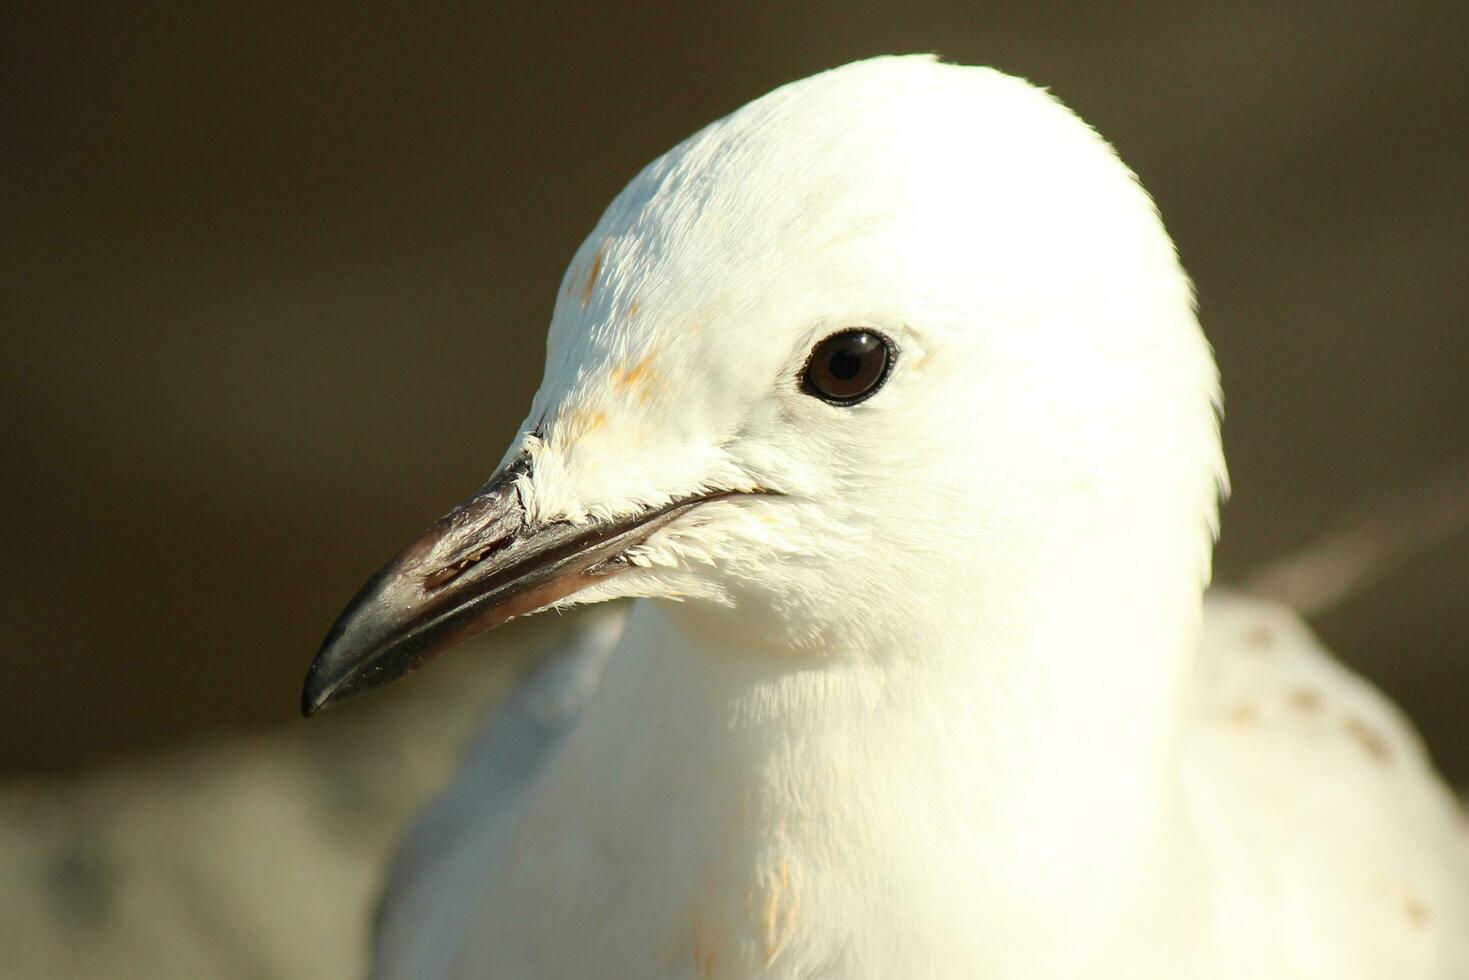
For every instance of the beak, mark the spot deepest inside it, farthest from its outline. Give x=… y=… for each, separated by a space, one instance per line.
x=479 y=565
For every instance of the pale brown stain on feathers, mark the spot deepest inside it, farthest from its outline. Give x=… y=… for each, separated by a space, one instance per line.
x=1370 y=739
x=1413 y=908
x=637 y=379
x=777 y=912
x=1244 y=715
x=705 y=952
x=626 y=377
x=579 y=422
x=1305 y=700
x=586 y=291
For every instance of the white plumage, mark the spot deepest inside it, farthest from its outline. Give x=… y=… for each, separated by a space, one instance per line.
x=947 y=701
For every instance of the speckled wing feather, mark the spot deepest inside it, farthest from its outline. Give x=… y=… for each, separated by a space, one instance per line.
x=1348 y=856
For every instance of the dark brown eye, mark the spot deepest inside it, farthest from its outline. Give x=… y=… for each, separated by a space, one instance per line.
x=848 y=367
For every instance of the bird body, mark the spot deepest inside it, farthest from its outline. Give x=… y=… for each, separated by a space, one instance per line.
x=885 y=400
x=1322 y=844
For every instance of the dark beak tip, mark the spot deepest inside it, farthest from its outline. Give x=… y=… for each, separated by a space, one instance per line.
x=329 y=679
x=314 y=694
x=346 y=667
x=326 y=683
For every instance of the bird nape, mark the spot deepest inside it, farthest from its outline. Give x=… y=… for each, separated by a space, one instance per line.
x=885 y=402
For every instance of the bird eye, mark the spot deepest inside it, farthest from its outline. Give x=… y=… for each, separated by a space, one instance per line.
x=848 y=367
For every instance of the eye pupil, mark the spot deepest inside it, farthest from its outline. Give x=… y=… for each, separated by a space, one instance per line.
x=845 y=364
x=848 y=367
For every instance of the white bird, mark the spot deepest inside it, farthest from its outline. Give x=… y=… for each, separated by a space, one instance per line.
x=885 y=398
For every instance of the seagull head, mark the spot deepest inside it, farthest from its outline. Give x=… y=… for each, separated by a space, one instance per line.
x=881 y=349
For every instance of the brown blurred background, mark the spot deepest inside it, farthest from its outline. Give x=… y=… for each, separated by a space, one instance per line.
x=276 y=278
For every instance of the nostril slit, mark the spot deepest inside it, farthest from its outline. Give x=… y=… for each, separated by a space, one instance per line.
x=443 y=576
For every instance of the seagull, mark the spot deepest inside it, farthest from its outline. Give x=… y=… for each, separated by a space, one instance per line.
x=885 y=401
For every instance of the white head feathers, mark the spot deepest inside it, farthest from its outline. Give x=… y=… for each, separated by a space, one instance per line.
x=1052 y=392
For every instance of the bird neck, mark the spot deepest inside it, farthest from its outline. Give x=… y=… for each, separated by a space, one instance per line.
x=1005 y=765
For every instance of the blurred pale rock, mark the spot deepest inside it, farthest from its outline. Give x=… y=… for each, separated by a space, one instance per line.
x=255 y=857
